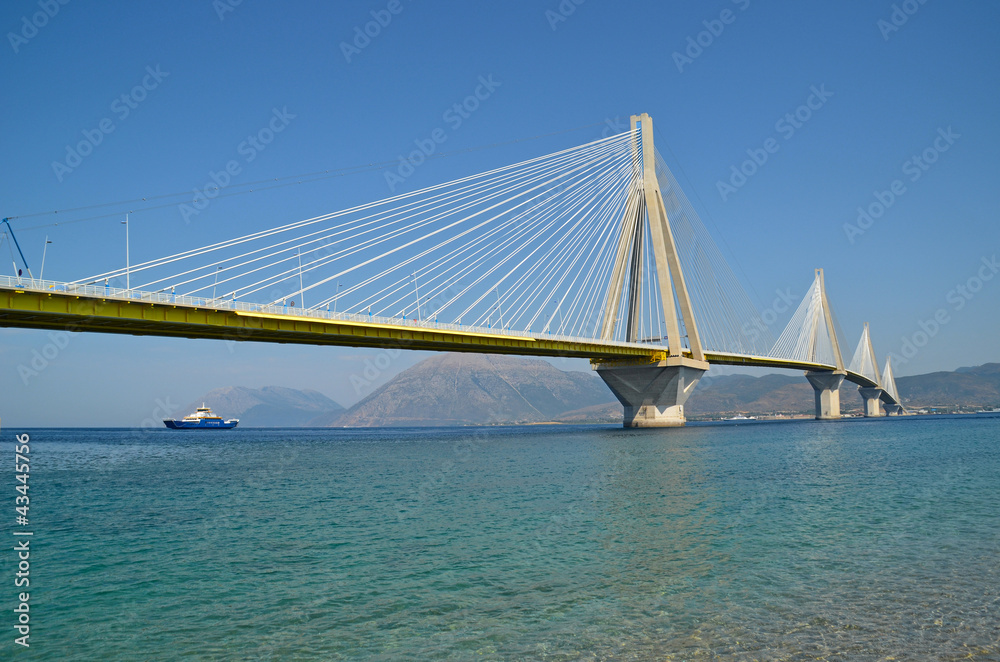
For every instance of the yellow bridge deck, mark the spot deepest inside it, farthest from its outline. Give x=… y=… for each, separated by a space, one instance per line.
x=87 y=308
x=31 y=308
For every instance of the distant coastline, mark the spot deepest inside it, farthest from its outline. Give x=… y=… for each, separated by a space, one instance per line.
x=463 y=390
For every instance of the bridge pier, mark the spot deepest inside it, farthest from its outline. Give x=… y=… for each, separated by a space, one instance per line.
x=872 y=398
x=826 y=386
x=653 y=395
x=893 y=409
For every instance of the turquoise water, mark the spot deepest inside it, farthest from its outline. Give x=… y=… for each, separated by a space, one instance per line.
x=855 y=540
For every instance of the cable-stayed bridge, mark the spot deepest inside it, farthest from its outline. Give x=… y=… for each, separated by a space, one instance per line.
x=592 y=252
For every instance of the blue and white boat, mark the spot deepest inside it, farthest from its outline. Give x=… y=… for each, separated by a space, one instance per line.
x=201 y=419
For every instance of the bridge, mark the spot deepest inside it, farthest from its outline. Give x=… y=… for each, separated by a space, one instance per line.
x=590 y=252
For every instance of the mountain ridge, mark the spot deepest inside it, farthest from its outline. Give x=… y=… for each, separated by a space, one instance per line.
x=474 y=389
x=268 y=406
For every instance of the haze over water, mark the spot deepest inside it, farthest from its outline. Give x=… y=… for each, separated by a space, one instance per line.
x=805 y=540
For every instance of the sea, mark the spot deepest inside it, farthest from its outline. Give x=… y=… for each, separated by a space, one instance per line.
x=802 y=540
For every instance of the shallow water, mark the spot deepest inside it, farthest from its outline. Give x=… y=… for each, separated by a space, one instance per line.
x=853 y=540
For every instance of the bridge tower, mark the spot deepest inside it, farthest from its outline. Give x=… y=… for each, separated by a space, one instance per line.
x=653 y=394
x=826 y=385
x=864 y=363
x=894 y=408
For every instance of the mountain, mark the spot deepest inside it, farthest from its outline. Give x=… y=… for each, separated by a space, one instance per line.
x=965 y=387
x=473 y=389
x=978 y=386
x=609 y=412
x=270 y=406
x=731 y=394
x=727 y=395
x=477 y=389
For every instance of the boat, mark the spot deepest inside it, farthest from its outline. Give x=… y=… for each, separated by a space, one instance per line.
x=201 y=419
x=741 y=417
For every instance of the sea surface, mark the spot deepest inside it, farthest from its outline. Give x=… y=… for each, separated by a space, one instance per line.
x=851 y=540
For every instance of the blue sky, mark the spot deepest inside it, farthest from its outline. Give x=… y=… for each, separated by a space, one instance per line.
x=198 y=79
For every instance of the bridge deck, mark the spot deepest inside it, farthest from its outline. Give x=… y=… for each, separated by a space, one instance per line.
x=144 y=313
x=49 y=305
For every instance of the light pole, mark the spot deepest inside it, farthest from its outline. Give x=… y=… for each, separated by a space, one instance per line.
x=336 y=293
x=416 y=291
x=128 y=283
x=302 y=294
x=216 y=283
x=499 y=311
x=548 y=325
x=41 y=274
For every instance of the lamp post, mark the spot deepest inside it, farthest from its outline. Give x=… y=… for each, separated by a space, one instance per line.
x=416 y=291
x=548 y=325
x=128 y=283
x=302 y=294
x=41 y=274
x=336 y=293
x=216 y=283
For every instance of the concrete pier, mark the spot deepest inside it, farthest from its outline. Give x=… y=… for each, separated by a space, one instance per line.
x=654 y=395
x=826 y=386
x=872 y=398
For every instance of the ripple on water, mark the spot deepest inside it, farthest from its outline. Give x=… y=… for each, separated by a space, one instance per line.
x=787 y=541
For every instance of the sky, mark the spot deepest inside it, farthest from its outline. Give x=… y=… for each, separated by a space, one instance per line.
x=873 y=126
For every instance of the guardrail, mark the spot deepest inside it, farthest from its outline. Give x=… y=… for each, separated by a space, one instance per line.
x=220 y=304
x=167 y=298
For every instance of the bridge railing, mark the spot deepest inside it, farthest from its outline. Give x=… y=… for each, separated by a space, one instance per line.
x=230 y=304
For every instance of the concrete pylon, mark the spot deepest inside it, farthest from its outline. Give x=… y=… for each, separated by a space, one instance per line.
x=866 y=364
x=872 y=399
x=826 y=386
x=892 y=402
x=653 y=394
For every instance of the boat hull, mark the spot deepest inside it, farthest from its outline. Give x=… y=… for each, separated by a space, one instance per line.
x=174 y=424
